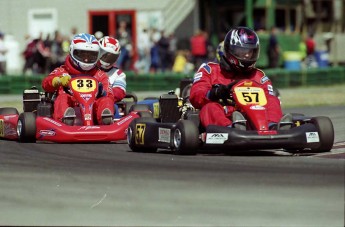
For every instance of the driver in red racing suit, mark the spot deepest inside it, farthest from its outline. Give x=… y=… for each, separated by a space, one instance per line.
x=82 y=59
x=211 y=82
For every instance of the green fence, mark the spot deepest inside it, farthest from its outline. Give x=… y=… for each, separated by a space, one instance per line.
x=281 y=78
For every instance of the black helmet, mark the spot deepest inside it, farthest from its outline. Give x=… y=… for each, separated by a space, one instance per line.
x=241 y=49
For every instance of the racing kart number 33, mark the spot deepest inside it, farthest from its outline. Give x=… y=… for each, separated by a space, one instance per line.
x=84 y=85
x=251 y=95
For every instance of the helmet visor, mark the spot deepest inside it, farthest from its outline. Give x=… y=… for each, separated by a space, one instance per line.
x=86 y=56
x=245 y=53
x=109 y=58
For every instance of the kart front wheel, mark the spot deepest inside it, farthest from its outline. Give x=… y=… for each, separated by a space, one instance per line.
x=185 y=138
x=26 y=127
x=325 y=129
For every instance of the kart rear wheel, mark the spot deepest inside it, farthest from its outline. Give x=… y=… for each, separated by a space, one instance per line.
x=26 y=127
x=133 y=132
x=325 y=129
x=8 y=110
x=185 y=138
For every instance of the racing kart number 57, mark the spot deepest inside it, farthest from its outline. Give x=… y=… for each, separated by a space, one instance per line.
x=300 y=134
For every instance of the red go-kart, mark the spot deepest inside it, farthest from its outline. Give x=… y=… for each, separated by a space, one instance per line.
x=36 y=122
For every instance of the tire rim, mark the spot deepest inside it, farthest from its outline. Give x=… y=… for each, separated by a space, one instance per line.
x=19 y=128
x=177 y=138
x=129 y=135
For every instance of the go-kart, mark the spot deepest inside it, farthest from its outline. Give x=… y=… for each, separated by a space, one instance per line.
x=36 y=122
x=183 y=133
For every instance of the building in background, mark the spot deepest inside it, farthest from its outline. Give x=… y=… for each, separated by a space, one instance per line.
x=324 y=18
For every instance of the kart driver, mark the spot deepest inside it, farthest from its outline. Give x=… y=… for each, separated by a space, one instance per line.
x=83 y=55
x=110 y=52
x=210 y=84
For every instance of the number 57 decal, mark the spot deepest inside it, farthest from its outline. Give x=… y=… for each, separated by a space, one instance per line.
x=251 y=95
x=140 y=132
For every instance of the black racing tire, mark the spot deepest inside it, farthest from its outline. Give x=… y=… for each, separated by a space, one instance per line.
x=26 y=127
x=128 y=106
x=185 y=138
x=186 y=91
x=131 y=95
x=132 y=132
x=8 y=111
x=325 y=129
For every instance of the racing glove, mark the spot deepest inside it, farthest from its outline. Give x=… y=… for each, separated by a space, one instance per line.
x=61 y=80
x=219 y=91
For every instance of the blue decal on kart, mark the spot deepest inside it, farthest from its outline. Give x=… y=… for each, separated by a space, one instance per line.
x=264 y=79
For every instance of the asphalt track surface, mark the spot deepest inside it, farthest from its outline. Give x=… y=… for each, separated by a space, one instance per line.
x=107 y=185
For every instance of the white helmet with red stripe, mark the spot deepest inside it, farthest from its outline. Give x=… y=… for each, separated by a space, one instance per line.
x=110 y=52
x=84 y=51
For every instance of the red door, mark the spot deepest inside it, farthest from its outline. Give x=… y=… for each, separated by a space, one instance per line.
x=122 y=26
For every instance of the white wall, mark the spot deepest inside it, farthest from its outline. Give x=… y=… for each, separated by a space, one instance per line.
x=69 y=13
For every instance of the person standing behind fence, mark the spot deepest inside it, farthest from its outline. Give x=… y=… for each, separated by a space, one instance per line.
x=3 y=51
x=198 y=43
x=310 y=44
x=273 y=49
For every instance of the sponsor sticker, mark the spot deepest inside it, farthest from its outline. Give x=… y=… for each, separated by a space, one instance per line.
x=257 y=107
x=312 y=137
x=216 y=138
x=47 y=132
x=164 y=135
x=156 y=110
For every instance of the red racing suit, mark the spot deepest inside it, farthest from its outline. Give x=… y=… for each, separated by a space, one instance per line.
x=117 y=80
x=64 y=100
x=213 y=112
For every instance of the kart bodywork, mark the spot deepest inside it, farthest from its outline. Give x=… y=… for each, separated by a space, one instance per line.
x=183 y=133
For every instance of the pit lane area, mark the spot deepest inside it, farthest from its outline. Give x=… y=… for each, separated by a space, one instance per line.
x=106 y=184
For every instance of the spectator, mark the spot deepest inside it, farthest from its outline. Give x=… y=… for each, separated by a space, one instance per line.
x=29 y=54
x=99 y=35
x=144 y=45
x=310 y=59
x=273 y=50
x=182 y=63
x=3 y=51
x=163 y=49
x=58 y=55
x=40 y=56
x=125 y=39
x=155 y=59
x=198 y=43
